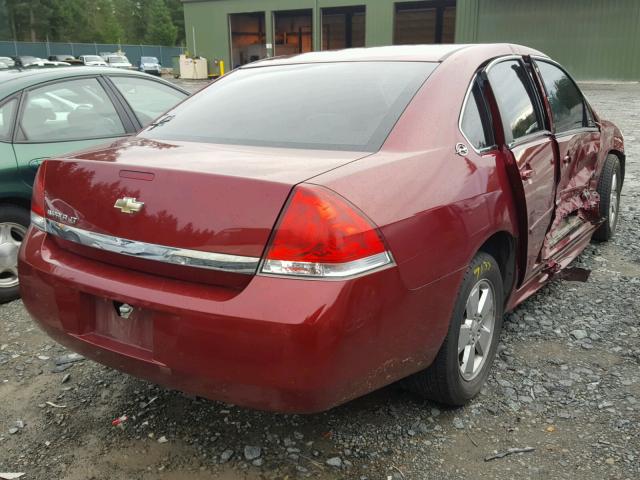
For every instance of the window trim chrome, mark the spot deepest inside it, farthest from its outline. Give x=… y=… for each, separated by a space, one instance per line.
x=537 y=109
x=148 y=251
x=480 y=151
x=585 y=100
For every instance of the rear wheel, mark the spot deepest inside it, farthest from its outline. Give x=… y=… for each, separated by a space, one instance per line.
x=465 y=358
x=609 y=188
x=14 y=222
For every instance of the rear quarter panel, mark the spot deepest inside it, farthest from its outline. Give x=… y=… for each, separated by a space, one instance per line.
x=434 y=207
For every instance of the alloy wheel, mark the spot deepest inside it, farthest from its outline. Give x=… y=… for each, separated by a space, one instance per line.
x=11 y=237
x=476 y=330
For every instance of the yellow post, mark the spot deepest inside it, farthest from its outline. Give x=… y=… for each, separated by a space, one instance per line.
x=221 y=67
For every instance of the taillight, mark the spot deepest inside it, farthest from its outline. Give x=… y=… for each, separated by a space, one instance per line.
x=37 y=199
x=320 y=234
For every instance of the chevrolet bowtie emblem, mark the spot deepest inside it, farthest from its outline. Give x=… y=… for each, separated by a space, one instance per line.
x=128 y=205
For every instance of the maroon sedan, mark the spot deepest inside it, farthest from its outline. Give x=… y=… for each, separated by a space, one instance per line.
x=309 y=229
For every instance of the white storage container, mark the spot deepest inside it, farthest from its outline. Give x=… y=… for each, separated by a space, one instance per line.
x=193 y=68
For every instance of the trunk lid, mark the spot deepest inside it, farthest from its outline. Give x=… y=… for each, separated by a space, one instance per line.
x=200 y=198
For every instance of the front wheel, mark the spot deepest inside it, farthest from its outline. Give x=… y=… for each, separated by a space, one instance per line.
x=609 y=188
x=14 y=222
x=465 y=358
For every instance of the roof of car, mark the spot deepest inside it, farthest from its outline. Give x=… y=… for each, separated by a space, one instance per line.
x=12 y=80
x=416 y=53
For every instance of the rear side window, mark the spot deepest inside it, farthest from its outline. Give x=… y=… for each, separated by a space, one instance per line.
x=148 y=99
x=6 y=116
x=329 y=106
x=71 y=110
x=475 y=124
x=509 y=82
x=567 y=105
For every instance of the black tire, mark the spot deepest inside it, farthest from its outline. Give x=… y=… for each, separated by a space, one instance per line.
x=15 y=215
x=443 y=381
x=611 y=170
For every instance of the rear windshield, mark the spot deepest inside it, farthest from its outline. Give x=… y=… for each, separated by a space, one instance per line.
x=329 y=106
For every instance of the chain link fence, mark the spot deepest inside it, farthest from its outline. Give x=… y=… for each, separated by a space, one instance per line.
x=133 y=52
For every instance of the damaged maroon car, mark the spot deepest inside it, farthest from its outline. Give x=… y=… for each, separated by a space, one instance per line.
x=308 y=229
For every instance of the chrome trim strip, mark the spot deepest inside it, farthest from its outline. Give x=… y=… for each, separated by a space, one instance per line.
x=325 y=271
x=149 y=251
x=479 y=151
x=38 y=222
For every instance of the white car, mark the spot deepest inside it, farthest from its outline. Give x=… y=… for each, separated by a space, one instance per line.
x=93 y=60
x=118 y=61
x=51 y=63
x=150 y=65
x=8 y=61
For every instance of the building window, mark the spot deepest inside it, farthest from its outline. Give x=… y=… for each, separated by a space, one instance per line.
x=248 y=39
x=343 y=27
x=293 y=32
x=424 y=22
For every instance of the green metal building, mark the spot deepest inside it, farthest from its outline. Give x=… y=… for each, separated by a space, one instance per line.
x=594 y=39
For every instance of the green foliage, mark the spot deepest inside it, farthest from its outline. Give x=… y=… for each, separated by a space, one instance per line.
x=160 y=22
x=160 y=27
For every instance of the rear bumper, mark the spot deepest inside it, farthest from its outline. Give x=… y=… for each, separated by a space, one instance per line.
x=278 y=344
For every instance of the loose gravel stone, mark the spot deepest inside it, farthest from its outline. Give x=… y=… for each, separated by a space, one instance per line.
x=458 y=423
x=251 y=453
x=579 y=334
x=226 y=456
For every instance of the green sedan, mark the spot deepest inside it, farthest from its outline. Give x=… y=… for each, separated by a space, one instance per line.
x=51 y=112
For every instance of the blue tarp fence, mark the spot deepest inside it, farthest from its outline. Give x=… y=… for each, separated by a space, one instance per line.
x=133 y=52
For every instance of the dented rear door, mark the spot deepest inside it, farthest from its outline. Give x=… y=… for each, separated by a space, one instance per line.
x=533 y=152
x=578 y=140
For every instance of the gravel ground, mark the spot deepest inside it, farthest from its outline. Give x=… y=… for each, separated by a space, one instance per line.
x=566 y=383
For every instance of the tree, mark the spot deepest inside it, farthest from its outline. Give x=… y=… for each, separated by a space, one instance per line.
x=69 y=21
x=130 y=16
x=88 y=21
x=177 y=15
x=160 y=28
x=28 y=19
x=5 y=29
x=107 y=27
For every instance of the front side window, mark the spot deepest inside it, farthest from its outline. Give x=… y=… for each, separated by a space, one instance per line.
x=148 y=99
x=509 y=82
x=329 y=106
x=567 y=106
x=6 y=116
x=475 y=125
x=73 y=110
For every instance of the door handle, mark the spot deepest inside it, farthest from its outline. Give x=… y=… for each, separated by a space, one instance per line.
x=566 y=159
x=527 y=172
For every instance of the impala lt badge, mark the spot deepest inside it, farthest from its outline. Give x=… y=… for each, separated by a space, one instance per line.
x=128 y=205
x=62 y=217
